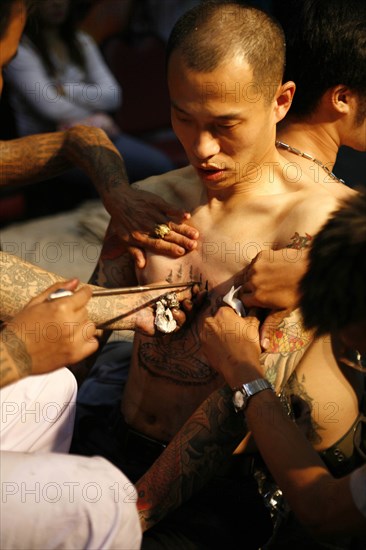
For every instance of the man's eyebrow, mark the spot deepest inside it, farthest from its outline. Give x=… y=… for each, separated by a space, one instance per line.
x=177 y=108
x=226 y=116
x=229 y=116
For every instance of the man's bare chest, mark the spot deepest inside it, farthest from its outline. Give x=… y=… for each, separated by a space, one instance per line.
x=224 y=249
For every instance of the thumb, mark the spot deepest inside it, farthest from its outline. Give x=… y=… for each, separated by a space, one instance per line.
x=71 y=285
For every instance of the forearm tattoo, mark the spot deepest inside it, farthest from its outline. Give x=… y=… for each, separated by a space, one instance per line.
x=191 y=458
x=20 y=282
x=15 y=361
x=43 y=156
x=31 y=159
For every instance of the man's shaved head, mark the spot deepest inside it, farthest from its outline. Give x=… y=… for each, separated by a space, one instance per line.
x=212 y=33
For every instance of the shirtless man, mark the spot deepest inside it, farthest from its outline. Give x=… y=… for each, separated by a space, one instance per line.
x=327 y=112
x=226 y=101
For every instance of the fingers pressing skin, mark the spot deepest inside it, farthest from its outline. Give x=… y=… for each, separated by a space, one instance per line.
x=190 y=300
x=230 y=342
x=180 y=317
x=181 y=239
x=138 y=256
x=149 y=210
x=271 y=279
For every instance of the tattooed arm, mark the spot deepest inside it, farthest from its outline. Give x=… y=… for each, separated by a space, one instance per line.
x=134 y=212
x=191 y=459
x=43 y=156
x=215 y=430
x=15 y=361
x=22 y=281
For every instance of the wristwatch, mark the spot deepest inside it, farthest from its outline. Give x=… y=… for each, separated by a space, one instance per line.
x=242 y=394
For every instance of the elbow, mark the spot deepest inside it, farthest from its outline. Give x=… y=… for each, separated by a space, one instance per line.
x=81 y=131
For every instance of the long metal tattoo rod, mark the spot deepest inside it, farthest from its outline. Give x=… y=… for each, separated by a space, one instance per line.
x=62 y=293
x=133 y=289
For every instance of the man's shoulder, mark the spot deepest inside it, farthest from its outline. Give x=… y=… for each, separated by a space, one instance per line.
x=303 y=213
x=181 y=187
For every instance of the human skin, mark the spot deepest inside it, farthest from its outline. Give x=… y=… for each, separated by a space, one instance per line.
x=321 y=502
x=210 y=146
x=46 y=335
x=39 y=335
x=48 y=155
x=210 y=193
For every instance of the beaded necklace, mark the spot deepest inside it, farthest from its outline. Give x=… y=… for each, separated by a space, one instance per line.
x=299 y=153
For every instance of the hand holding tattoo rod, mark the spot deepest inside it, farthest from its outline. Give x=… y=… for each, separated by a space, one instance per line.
x=47 y=335
x=168 y=316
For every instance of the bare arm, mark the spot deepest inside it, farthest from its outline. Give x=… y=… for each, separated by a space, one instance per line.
x=323 y=504
x=214 y=431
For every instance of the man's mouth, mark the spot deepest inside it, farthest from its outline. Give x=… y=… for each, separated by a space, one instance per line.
x=210 y=173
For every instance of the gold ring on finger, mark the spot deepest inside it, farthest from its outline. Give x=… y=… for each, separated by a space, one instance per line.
x=161 y=230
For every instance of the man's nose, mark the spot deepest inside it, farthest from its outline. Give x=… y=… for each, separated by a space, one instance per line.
x=205 y=145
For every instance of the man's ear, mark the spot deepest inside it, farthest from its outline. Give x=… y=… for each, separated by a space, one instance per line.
x=283 y=99
x=341 y=98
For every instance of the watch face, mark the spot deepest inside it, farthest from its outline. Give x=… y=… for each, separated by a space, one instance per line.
x=239 y=400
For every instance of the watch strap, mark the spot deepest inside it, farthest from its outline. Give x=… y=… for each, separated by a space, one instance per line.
x=242 y=394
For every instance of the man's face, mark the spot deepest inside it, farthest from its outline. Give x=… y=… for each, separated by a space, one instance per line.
x=223 y=121
x=10 y=41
